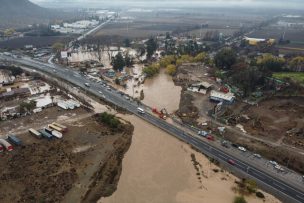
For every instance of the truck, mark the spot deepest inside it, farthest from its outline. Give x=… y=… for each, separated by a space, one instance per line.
x=35 y=133
x=46 y=134
x=48 y=130
x=13 y=139
x=54 y=127
x=64 y=128
x=57 y=134
x=6 y=144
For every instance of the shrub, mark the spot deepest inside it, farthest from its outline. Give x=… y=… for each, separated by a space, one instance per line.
x=239 y=199
x=260 y=195
x=171 y=69
x=151 y=70
x=109 y=120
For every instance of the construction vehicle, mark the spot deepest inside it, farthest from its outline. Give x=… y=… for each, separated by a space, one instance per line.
x=162 y=113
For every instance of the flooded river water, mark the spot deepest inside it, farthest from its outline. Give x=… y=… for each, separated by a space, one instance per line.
x=159 y=168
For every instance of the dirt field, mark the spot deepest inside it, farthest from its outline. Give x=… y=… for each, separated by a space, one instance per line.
x=40 y=120
x=272 y=125
x=146 y=24
x=81 y=167
x=193 y=107
x=279 y=119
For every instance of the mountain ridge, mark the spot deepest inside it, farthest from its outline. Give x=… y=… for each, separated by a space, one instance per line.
x=20 y=13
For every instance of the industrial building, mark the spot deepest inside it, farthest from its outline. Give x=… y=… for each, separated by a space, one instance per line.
x=226 y=98
x=257 y=41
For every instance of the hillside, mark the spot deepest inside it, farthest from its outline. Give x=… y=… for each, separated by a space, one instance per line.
x=20 y=13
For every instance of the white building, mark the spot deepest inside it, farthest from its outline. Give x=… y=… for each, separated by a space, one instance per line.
x=227 y=98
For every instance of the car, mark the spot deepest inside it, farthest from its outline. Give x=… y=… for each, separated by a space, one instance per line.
x=127 y=98
x=225 y=144
x=202 y=133
x=274 y=163
x=230 y=161
x=210 y=137
x=242 y=149
x=257 y=156
x=109 y=88
x=234 y=145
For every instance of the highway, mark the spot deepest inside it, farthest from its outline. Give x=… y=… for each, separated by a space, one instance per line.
x=287 y=190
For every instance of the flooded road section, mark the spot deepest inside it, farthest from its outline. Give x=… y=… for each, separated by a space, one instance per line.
x=159 y=91
x=158 y=168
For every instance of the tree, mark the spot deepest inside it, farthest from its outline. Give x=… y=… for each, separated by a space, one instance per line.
x=171 y=69
x=167 y=60
x=297 y=64
x=27 y=107
x=251 y=185
x=248 y=79
x=117 y=81
x=127 y=42
x=151 y=47
x=151 y=70
x=57 y=47
x=142 y=95
x=109 y=120
x=184 y=59
x=9 y=32
x=202 y=57
x=225 y=58
x=118 y=62
x=269 y=63
x=239 y=199
x=128 y=60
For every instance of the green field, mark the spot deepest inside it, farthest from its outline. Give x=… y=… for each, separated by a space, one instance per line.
x=298 y=77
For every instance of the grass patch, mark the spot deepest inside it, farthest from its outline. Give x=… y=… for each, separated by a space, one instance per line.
x=295 y=76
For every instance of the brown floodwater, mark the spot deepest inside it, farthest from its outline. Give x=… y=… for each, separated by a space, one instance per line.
x=158 y=168
x=160 y=92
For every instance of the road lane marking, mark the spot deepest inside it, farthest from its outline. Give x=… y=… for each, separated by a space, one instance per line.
x=300 y=197
x=279 y=186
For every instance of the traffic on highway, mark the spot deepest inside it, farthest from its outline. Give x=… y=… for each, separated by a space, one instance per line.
x=237 y=158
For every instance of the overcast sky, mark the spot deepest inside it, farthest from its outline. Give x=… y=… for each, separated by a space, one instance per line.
x=256 y=3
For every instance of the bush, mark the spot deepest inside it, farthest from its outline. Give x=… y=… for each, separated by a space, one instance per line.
x=239 y=199
x=260 y=195
x=167 y=60
x=109 y=120
x=251 y=186
x=171 y=69
x=151 y=70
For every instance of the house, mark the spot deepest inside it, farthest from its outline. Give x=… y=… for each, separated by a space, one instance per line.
x=6 y=78
x=202 y=87
x=16 y=92
x=227 y=98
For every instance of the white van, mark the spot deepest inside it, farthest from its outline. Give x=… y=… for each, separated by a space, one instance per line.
x=140 y=110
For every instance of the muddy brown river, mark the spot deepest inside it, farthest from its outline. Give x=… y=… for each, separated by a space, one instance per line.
x=158 y=168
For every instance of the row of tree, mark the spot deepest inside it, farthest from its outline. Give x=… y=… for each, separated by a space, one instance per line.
x=171 y=62
x=119 y=61
x=226 y=58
